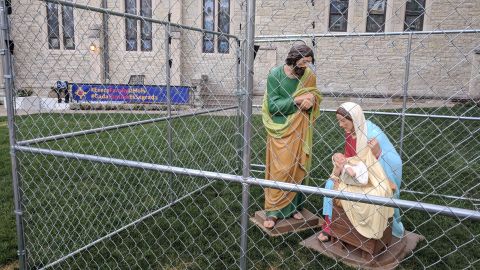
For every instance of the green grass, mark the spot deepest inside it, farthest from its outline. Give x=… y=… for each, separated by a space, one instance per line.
x=8 y=242
x=70 y=203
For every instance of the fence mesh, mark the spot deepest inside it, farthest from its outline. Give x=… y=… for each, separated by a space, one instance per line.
x=129 y=175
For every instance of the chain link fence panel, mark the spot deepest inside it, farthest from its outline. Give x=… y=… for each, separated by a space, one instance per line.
x=158 y=159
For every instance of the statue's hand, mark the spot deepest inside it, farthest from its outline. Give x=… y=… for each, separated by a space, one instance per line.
x=374 y=146
x=337 y=170
x=336 y=183
x=300 y=99
x=392 y=185
x=306 y=104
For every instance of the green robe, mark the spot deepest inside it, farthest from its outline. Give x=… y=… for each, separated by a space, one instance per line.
x=279 y=92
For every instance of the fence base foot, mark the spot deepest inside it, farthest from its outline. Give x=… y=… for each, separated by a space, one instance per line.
x=353 y=256
x=288 y=225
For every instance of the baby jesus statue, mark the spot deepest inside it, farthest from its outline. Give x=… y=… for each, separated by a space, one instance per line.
x=351 y=171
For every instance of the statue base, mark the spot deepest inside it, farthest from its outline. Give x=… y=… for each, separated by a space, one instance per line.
x=341 y=228
x=288 y=225
x=389 y=258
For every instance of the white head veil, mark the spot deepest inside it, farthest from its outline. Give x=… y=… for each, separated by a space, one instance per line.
x=360 y=126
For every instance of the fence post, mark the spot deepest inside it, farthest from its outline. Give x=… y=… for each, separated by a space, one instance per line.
x=247 y=112
x=168 y=62
x=406 y=78
x=10 y=103
x=239 y=95
x=106 y=48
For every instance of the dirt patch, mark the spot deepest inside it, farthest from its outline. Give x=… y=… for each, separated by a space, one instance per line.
x=10 y=266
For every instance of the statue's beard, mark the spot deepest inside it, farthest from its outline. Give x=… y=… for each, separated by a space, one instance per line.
x=299 y=71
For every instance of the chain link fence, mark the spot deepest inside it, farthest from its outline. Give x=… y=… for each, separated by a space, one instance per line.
x=156 y=159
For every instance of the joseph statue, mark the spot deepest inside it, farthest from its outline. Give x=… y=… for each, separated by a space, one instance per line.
x=290 y=107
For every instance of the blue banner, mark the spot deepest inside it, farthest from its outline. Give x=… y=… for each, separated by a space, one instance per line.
x=120 y=93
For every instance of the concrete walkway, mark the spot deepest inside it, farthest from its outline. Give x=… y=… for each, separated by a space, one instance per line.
x=328 y=103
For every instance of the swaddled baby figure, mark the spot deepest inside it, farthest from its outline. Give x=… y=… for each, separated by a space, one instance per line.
x=351 y=171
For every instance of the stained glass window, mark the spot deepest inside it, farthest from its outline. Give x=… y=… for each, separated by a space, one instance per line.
x=131 y=25
x=208 y=24
x=223 y=25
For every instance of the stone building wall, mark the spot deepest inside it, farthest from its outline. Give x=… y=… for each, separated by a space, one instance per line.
x=221 y=68
x=38 y=67
x=442 y=65
x=151 y=64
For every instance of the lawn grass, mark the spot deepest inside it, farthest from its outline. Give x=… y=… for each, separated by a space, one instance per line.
x=8 y=244
x=70 y=203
